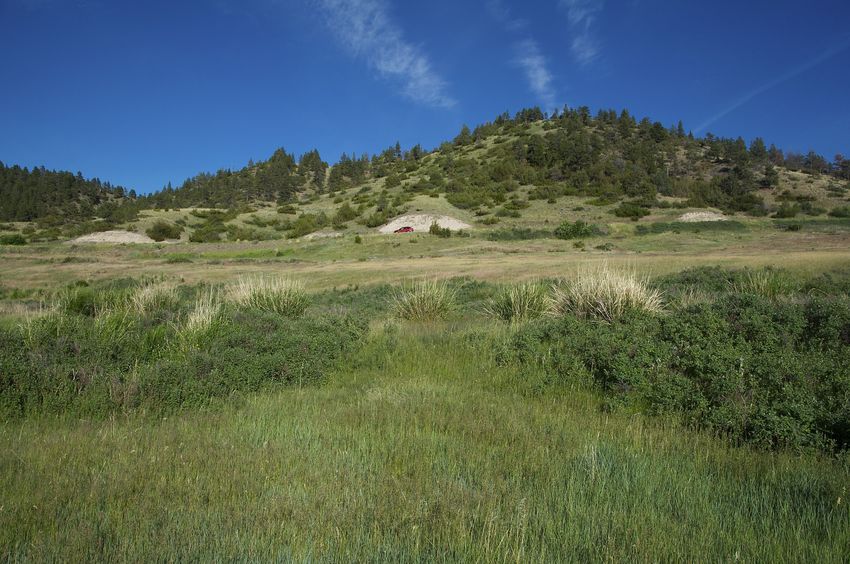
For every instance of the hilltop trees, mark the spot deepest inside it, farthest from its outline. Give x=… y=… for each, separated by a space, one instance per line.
x=611 y=157
x=26 y=195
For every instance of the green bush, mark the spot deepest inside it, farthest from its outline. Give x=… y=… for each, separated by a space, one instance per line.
x=162 y=230
x=689 y=227
x=14 y=239
x=630 y=210
x=770 y=374
x=66 y=363
x=518 y=234
x=577 y=230
x=435 y=229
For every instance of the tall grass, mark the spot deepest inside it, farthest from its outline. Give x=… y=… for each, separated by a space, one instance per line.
x=273 y=294
x=604 y=293
x=422 y=449
x=423 y=301
x=154 y=297
x=518 y=303
x=767 y=282
x=205 y=317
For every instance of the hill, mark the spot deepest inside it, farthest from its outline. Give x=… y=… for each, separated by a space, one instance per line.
x=493 y=173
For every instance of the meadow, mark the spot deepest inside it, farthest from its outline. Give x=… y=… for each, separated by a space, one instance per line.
x=681 y=397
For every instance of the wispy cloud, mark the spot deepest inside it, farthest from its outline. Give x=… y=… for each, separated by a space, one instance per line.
x=527 y=54
x=365 y=28
x=502 y=14
x=536 y=71
x=581 y=15
x=790 y=74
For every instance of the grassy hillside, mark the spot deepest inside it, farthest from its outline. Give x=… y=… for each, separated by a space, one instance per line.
x=531 y=170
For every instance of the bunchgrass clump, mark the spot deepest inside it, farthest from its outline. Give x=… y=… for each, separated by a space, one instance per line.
x=205 y=317
x=272 y=294
x=424 y=301
x=605 y=294
x=768 y=283
x=518 y=303
x=154 y=297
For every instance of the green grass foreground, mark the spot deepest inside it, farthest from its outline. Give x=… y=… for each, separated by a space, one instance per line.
x=422 y=447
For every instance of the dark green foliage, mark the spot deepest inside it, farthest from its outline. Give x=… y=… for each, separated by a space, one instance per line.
x=690 y=227
x=769 y=373
x=435 y=229
x=630 y=210
x=518 y=234
x=162 y=230
x=577 y=230
x=787 y=211
x=344 y=214
x=841 y=211
x=27 y=195
x=307 y=223
x=14 y=239
x=72 y=364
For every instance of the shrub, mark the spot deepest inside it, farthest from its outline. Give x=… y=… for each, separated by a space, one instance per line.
x=14 y=239
x=689 y=227
x=275 y=295
x=424 y=301
x=435 y=229
x=767 y=373
x=358 y=239
x=630 y=210
x=62 y=363
x=518 y=303
x=605 y=294
x=787 y=211
x=577 y=230
x=517 y=234
x=162 y=230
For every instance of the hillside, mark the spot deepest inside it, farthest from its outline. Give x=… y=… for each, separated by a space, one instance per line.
x=514 y=171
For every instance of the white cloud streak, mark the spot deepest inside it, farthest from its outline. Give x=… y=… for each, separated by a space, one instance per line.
x=581 y=15
x=536 y=71
x=527 y=55
x=366 y=30
x=791 y=74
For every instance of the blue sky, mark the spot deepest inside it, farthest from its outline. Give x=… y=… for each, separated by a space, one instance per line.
x=143 y=93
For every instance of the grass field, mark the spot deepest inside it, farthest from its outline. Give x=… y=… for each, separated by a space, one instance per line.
x=422 y=448
x=420 y=441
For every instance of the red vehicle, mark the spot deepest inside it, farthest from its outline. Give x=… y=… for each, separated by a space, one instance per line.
x=405 y=229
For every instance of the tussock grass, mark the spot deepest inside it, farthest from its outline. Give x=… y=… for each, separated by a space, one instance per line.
x=423 y=301
x=154 y=297
x=768 y=283
x=604 y=293
x=273 y=294
x=205 y=317
x=518 y=303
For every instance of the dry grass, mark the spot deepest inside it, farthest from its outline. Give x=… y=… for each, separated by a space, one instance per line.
x=205 y=316
x=424 y=301
x=154 y=297
x=269 y=293
x=518 y=303
x=604 y=293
